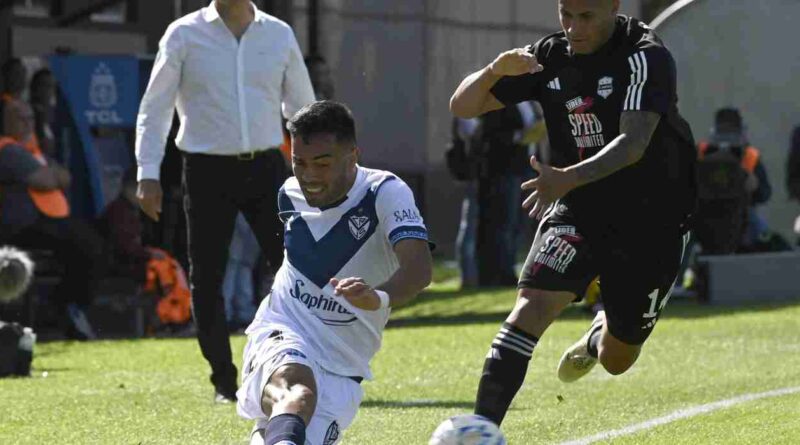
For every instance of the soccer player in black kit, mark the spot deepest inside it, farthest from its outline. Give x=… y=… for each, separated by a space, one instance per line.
x=615 y=200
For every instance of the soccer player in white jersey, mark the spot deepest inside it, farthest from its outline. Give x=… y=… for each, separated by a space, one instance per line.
x=356 y=246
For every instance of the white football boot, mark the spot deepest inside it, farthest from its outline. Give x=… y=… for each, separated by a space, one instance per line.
x=576 y=361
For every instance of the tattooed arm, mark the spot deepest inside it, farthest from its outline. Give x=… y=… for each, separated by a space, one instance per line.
x=635 y=130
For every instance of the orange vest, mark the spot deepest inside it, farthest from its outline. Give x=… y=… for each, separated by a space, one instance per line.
x=167 y=275
x=52 y=203
x=749 y=158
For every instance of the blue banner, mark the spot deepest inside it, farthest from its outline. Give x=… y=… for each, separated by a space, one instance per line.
x=102 y=90
x=99 y=91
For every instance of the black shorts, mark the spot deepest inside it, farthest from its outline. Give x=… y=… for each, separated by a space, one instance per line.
x=636 y=268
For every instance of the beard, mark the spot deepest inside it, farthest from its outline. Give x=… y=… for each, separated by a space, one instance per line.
x=16 y=271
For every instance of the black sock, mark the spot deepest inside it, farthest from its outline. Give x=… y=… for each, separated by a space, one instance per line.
x=594 y=339
x=503 y=371
x=285 y=429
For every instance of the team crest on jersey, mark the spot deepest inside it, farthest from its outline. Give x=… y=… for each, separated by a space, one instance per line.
x=605 y=86
x=359 y=226
x=332 y=435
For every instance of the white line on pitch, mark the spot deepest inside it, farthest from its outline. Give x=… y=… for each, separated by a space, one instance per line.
x=682 y=414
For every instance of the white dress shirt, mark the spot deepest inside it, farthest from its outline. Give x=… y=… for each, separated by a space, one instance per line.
x=230 y=94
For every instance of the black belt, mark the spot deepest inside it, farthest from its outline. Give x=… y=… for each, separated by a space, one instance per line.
x=356 y=379
x=250 y=155
x=244 y=156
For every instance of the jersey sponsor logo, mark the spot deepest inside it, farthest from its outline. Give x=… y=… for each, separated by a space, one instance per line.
x=556 y=253
x=605 y=86
x=406 y=215
x=359 y=226
x=587 y=130
x=328 y=310
x=579 y=104
x=554 y=84
x=564 y=230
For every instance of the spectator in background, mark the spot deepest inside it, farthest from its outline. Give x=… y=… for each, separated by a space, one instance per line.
x=793 y=174
x=229 y=137
x=43 y=101
x=321 y=78
x=461 y=160
x=35 y=215
x=729 y=135
x=793 y=166
x=502 y=162
x=14 y=77
x=238 y=287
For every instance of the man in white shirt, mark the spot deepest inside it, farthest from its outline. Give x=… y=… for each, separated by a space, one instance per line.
x=231 y=70
x=356 y=246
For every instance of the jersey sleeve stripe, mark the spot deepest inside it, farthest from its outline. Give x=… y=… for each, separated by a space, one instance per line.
x=638 y=63
x=631 y=84
x=643 y=61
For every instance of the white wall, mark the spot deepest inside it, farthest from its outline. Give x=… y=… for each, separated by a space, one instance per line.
x=742 y=53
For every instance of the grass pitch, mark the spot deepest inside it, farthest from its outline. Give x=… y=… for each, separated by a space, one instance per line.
x=155 y=391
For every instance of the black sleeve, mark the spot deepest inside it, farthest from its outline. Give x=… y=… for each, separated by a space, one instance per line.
x=652 y=81
x=16 y=165
x=511 y=90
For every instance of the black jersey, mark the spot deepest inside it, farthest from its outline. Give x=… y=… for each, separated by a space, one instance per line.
x=583 y=97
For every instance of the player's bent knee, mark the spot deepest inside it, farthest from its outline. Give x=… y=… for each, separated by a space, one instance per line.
x=615 y=355
x=291 y=389
x=616 y=365
x=536 y=309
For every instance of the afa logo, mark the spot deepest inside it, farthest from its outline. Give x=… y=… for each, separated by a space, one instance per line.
x=103 y=88
x=103 y=97
x=359 y=225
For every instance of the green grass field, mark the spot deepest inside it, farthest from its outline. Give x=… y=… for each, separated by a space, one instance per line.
x=155 y=391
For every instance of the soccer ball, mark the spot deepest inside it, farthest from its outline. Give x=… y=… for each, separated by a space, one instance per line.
x=467 y=429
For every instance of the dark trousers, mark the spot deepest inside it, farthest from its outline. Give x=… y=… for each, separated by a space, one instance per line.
x=216 y=189
x=76 y=246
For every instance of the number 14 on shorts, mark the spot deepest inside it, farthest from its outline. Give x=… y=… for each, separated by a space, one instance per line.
x=653 y=312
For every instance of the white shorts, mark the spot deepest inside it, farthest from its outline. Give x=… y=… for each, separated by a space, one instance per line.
x=338 y=397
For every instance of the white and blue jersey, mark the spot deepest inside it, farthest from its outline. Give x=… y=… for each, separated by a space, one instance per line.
x=354 y=238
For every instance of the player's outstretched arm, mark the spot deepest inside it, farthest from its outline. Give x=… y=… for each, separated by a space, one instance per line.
x=635 y=130
x=413 y=275
x=473 y=97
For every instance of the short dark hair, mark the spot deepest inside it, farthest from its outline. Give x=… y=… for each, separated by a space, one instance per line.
x=324 y=117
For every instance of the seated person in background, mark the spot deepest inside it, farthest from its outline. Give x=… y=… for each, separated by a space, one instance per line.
x=728 y=143
x=34 y=214
x=43 y=99
x=153 y=269
x=14 y=75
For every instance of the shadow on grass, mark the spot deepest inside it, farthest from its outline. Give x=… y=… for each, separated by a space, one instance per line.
x=683 y=308
x=420 y=403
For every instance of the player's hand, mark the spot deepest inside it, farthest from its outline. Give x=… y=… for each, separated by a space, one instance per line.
x=797 y=225
x=515 y=62
x=357 y=292
x=149 y=195
x=551 y=185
